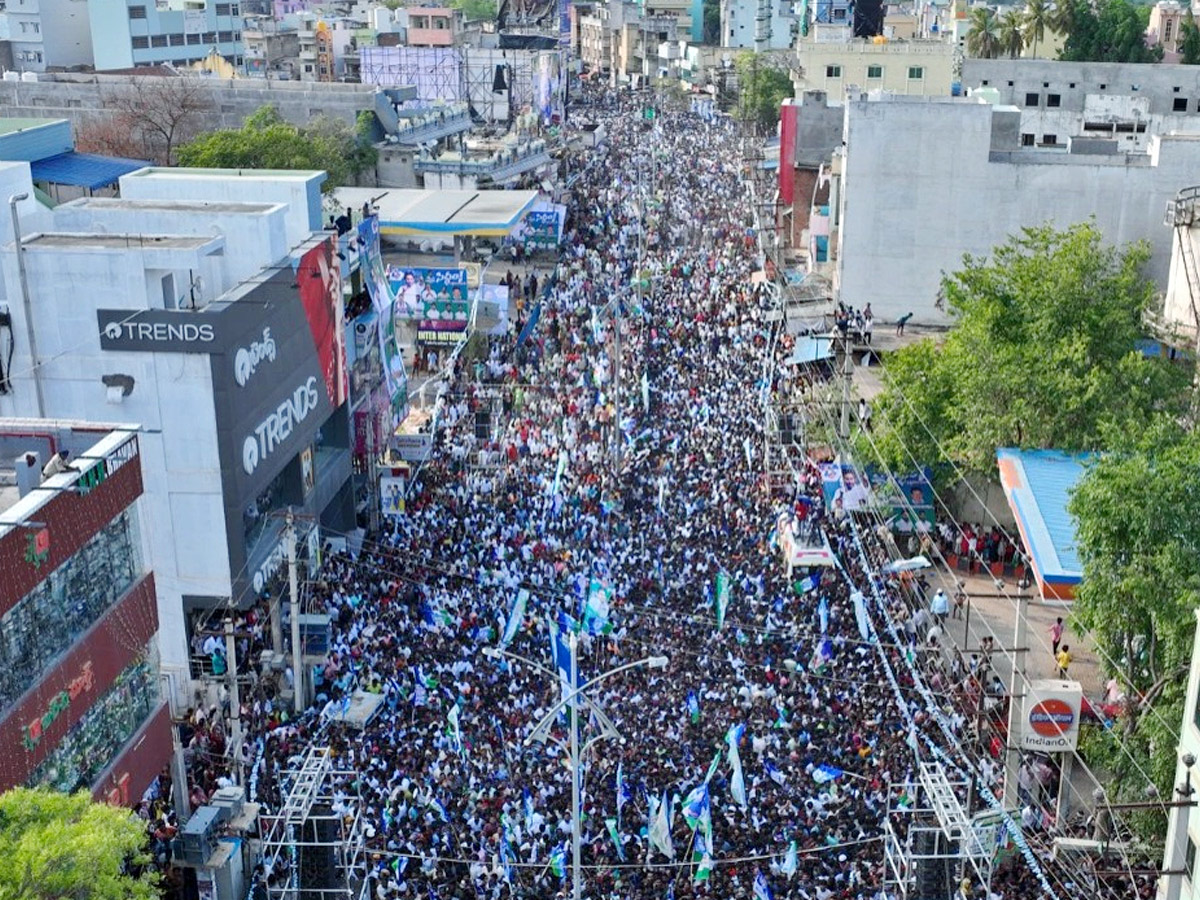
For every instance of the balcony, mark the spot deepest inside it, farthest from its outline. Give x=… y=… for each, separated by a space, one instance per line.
x=501 y=166
x=431 y=124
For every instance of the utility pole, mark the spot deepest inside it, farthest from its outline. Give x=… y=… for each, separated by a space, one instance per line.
x=235 y=703
x=294 y=593
x=372 y=474
x=277 y=623
x=847 y=374
x=1016 y=707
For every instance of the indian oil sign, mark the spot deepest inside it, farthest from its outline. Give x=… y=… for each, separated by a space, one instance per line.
x=1051 y=716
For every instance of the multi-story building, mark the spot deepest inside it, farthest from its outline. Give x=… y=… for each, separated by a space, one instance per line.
x=129 y=33
x=740 y=22
x=433 y=26
x=36 y=34
x=325 y=45
x=269 y=51
x=1163 y=30
x=833 y=61
x=901 y=225
x=80 y=703
x=1123 y=102
x=201 y=306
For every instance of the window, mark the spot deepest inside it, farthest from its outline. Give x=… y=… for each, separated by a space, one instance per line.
x=234 y=9
x=193 y=38
x=984 y=82
x=1054 y=100
x=137 y=12
x=1104 y=87
x=1179 y=104
x=237 y=35
x=140 y=42
x=56 y=613
x=222 y=9
x=24 y=27
x=1050 y=140
x=177 y=40
x=1167 y=30
x=839 y=15
x=37 y=56
x=158 y=40
x=1033 y=99
x=916 y=73
x=224 y=36
x=210 y=37
x=37 y=29
x=875 y=72
x=1071 y=85
x=833 y=71
x=1010 y=84
x=1175 y=90
x=1027 y=140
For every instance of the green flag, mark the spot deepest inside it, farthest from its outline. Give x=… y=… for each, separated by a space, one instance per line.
x=611 y=824
x=721 y=598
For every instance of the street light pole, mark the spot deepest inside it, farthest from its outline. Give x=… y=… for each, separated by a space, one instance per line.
x=576 y=824
x=574 y=752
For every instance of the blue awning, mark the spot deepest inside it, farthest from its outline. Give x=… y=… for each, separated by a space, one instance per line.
x=810 y=350
x=86 y=170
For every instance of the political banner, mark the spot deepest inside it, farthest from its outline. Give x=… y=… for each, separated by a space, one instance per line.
x=437 y=298
x=541 y=229
x=909 y=496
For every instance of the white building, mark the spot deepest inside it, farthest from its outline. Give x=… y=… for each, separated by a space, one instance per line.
x=41 y=33
x=1183 y=828
x=210 y=325
x=1125 y=102
x=740 y=23
x=914 y=200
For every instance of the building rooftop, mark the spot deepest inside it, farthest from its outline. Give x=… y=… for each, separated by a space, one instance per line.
x=100 y=241
x=15 y=124
x=21 y=493
x=183 y=173
x=407 y=211
x=206 y=206
x=1038 y=484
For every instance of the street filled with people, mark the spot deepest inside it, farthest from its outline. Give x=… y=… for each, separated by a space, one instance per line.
x=621 y=508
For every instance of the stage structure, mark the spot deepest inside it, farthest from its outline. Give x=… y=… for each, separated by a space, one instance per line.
x=314 y=845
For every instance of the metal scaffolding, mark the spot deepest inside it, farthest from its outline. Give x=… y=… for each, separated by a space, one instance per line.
x=931 y=844
x=322 y=818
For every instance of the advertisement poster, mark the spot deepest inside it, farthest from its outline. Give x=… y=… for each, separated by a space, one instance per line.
x=541 y=229
x=909 y=496
x=492 y=314
x=430 y=295
x=393 y=359
x=843 y=486
x=321 y=293
x=372 y=267
x=391 y=494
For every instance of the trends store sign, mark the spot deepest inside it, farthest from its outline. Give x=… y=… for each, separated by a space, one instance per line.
x=282 y=371
x=158 y=331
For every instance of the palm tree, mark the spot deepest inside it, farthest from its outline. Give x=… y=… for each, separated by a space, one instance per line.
x=1012 y=33
x=983 y=37
x=1038 y=17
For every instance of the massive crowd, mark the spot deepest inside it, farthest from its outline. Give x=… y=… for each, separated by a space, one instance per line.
x=660 y=245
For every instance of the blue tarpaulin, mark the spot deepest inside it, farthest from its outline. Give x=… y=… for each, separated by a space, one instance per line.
x=86 y=170
x=810 y=350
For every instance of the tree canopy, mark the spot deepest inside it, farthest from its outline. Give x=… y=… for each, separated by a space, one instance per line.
x=65 y=847
x=1137 y=513
x=267 y=141
x=762 y=88
x=984 y=39
x=1189 y=44
x=1106 y=31
x=1042 y=354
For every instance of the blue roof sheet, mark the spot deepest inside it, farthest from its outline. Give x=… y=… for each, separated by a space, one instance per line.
x=1038 y=484
x=86 y=170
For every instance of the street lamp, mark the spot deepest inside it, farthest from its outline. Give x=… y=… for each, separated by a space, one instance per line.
x=541 y=732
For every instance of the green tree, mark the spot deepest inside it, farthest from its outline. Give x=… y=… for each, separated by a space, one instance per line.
x=1137 y=513
x=762 y=87
x=267 y=141
x=1012 y=33
x=712 y=21
x=1109 y=31
x=476 y=10
x=65 y=847
x=983 y=33
x=1042 y=354
x=1189 y=43
x=1037 y=15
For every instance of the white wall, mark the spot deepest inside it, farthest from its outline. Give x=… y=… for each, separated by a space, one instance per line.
x=180 y=184
x=921 y=189
x=66 y=32
x=172 y=393
x=254 y=239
